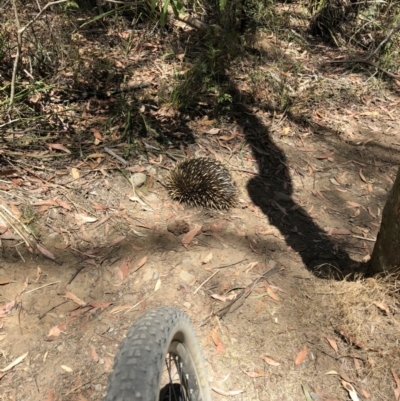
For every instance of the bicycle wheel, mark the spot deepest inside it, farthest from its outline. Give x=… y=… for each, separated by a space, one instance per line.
x=159 y=360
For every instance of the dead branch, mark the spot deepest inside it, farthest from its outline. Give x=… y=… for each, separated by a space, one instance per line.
x=386 y=39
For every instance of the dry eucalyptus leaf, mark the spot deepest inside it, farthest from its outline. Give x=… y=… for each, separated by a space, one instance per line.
x=301 y=356
x=208 y=258
x=269 y=361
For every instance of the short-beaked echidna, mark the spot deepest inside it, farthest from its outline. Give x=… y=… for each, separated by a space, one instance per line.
x=202 y=182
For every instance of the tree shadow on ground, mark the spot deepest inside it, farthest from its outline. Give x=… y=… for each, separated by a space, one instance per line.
x=272 y=189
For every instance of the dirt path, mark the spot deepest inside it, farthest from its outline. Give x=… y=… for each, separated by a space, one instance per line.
x=115 y=258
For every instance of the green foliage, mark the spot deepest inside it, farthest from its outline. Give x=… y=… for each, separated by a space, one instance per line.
x=69 y=6
x=206 y=77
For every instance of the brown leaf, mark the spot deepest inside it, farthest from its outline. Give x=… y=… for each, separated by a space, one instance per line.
x=326 y=156
x=332 y=343
x=117 y=240
x=63 y=204
x=357 y=365
x=269 y=360
x=259 y=306
x=217 y=341
x=15 y=211
x=255 y=373
x=366 y=393
x=224 y=298
x=353 y=204
x=301 y=356
x=50 y=396
x=93 y=354
x=7 y=308
x=250 y=266
x=271 y=293
x=213 y=131
x=352 y=392
x=45 y=252
x=99 y=207
x=74 y=298
x=397 y=390
x=58 y=146
x=188 y=237
x=362 y=176
x=100 y=305
x=53 y=333
x=81 y=219
x=226 y=393
x=97 y=134
x=140 y=264
x=47 y=202
x=61 y=246
x=124 y=269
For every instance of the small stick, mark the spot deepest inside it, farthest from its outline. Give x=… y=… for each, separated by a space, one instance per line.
x=134 y=306
x=119 y=158
x=42 y=286
x=84 y=384
x=54 y=307
x=9 y=221
x=232 y=264
x=366 y=239
x=205 y=281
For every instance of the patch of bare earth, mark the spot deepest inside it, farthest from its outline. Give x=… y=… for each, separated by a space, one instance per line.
x=109 y=252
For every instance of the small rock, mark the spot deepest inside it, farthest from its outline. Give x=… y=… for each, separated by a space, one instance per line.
x=178 y=227
x=98 y=387
x=138 y=179
x=151 y=170
x=187 y=305
x=155 y=276
x=61 y=288
x=60 y=348
x=186 y=277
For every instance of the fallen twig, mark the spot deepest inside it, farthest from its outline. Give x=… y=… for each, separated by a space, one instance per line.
x=119 y=158
x=205 y=281
x=230 y=265
x=239 y=300
x=364 y=61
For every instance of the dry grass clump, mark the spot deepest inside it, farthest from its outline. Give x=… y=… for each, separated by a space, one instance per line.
x=369 y=312
x=365 y=313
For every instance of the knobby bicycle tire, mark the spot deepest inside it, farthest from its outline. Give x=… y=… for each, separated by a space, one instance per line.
x=139 y=365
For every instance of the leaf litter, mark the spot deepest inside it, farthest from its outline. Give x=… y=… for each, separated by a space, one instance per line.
x=87 y=207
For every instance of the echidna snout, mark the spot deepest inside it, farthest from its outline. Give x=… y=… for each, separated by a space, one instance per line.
x=202 y=182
